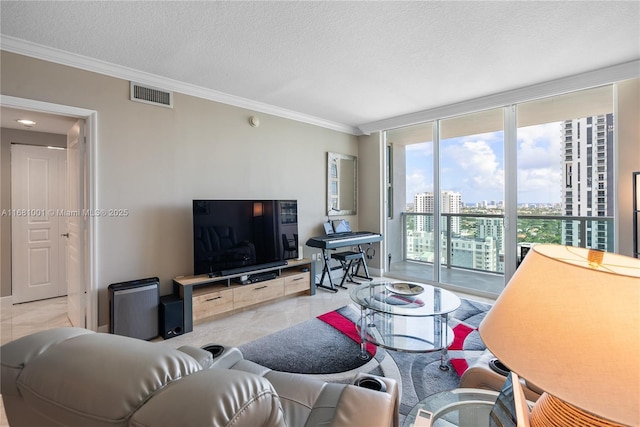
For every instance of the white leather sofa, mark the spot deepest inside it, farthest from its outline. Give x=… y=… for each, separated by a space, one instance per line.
x=480 y=375
x=75 y=377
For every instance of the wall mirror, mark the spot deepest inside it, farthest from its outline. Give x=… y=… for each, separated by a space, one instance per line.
x=342 y=175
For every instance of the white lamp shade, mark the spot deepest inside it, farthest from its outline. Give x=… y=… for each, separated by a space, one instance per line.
x=572 y=328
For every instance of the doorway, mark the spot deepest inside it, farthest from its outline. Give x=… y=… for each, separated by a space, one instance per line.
x=89 y=280
x=38 y=199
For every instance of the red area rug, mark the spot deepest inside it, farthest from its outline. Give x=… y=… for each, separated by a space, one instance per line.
x=330 y=344
x=460 y=332
x=347 y=327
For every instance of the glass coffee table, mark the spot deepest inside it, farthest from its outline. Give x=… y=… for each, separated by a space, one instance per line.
x=405 y=317
x=459 y=407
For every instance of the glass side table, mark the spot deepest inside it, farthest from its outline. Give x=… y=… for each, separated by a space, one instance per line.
x=458 y=407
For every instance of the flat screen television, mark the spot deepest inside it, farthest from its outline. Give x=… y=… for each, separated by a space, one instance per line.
x=237 y=236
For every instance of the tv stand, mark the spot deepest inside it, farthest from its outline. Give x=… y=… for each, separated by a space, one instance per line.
x=207 y=297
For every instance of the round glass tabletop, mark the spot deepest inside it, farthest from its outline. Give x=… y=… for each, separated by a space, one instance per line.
x=405 y=299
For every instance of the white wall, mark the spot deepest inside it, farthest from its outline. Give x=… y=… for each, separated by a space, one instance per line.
x=153 y=161
x=627 y=115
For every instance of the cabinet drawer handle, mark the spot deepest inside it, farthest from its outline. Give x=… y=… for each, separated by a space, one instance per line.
x=213 y=299
x=298 y=278
x=261 y=287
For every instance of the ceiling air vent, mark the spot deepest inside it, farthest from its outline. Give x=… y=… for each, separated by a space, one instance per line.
x=151 y=95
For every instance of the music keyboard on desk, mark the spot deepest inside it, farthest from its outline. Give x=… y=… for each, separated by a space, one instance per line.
x=340 y=240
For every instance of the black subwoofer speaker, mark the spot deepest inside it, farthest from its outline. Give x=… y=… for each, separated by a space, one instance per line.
x=171 y=315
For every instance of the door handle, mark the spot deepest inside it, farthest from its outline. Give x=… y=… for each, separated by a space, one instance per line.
x=65 y=235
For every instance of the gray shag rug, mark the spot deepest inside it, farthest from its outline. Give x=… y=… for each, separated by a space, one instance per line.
x=316 y=348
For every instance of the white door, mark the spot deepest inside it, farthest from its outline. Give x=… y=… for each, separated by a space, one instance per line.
x=76 y=230
x=37 y=197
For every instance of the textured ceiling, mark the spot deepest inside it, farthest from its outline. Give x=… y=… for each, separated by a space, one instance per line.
x=349 y=63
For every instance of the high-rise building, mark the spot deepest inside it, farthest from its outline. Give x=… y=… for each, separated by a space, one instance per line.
x=423 y=203
x=450 y=202
x=492 y=228
x=588 y=168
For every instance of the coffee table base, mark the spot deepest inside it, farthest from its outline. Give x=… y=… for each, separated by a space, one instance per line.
x=405 y=317
x=428 y=334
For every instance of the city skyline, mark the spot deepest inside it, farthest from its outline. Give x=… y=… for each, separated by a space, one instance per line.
x=473 y=165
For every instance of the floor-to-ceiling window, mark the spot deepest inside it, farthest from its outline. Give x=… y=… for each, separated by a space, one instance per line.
x=472 y=200
x=565 y=152
x=449 y=188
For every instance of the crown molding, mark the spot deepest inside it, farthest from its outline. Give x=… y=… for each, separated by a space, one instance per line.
x=599 y=77
x=45 y=53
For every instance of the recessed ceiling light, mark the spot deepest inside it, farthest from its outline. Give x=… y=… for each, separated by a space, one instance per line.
x=26 y=122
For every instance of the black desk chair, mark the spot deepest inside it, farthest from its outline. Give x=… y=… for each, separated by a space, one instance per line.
x=347 y=260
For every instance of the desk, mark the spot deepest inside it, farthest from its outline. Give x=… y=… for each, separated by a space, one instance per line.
x=343 y=240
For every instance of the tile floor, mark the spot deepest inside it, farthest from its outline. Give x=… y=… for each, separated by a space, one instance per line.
x=23 y=319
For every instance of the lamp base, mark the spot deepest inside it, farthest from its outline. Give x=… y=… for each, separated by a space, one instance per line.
x=550 y=411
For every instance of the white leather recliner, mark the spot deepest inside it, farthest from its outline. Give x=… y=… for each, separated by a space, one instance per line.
x=75 y=377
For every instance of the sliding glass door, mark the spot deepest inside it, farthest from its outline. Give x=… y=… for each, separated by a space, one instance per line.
x=545 y=167
x=411 y=249
x=472 y=201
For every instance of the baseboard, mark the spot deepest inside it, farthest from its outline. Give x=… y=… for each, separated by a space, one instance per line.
x=103 y=328
x=375 y=272
x=6 y=301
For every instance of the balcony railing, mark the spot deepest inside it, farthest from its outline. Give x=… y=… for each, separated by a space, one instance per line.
x=475 y=241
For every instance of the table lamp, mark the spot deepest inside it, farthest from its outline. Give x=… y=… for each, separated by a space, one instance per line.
x=568 y=322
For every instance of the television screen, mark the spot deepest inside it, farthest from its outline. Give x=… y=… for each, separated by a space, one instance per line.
x=235 y=236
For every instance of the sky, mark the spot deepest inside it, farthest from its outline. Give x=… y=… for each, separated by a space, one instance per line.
x=474 y=166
